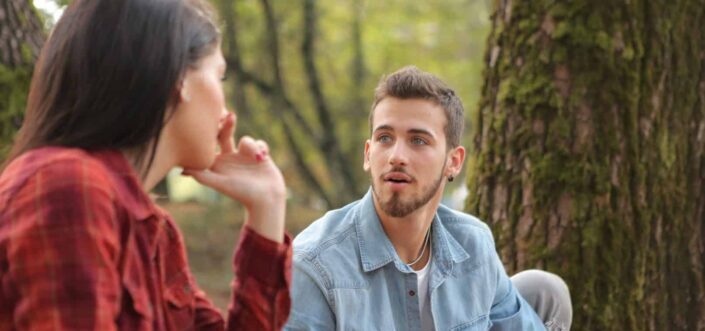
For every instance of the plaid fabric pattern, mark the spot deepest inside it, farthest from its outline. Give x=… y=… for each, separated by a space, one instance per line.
x=82 y=247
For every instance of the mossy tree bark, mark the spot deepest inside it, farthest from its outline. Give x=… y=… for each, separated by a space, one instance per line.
x=21 y=38
x=589 y=147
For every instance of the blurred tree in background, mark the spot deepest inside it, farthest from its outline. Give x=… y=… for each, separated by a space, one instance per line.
x=589 y=154
x=303 y=75
x=21 y=38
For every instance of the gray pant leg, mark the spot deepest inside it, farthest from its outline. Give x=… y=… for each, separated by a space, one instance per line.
x=548 y=294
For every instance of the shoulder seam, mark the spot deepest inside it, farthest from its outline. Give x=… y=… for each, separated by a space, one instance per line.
x=321 y=246
x=16 y=188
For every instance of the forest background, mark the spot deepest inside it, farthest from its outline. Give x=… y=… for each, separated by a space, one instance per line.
x=584 y=120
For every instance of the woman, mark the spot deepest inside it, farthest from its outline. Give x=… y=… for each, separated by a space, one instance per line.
x=124 y=91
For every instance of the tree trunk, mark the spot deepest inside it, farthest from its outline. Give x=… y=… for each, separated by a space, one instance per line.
x=589 y=145
x=21 y=38
x=358 y=106
x=329 y=144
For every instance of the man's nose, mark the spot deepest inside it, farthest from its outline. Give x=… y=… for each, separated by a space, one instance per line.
x=398 y=154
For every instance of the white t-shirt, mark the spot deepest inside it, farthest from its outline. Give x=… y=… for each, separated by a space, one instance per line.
x=422 y=277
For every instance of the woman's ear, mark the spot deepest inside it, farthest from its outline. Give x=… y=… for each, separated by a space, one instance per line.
x=184 y=93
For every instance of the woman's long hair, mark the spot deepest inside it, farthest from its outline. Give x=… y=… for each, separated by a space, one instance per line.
x=110 y=71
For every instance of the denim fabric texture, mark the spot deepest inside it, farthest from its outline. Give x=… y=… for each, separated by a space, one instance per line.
x=347 y=276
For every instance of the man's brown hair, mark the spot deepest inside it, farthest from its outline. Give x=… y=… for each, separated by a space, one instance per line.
x=411 y=83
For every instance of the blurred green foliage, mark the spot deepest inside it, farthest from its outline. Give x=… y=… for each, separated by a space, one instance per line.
x=294 y=63
x=14 y=83
x=302 y=76
x=22 y=34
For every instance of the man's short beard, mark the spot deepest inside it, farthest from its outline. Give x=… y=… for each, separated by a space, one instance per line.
x=395 y=207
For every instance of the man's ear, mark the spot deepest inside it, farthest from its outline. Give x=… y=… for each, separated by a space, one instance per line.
x=366 y=160
x=456 y=157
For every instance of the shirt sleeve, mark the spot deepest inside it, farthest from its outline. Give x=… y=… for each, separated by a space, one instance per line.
x=310 y=307
x=62 y=250
x=260 y=299
x=509 y=310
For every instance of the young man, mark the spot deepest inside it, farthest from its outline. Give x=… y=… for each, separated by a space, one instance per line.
x=398 y=259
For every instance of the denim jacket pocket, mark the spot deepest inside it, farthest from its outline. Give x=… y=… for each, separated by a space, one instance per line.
x=362 y=309
x=480 y=323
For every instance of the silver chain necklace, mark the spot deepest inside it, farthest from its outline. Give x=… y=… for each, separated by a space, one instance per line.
x=423 y=249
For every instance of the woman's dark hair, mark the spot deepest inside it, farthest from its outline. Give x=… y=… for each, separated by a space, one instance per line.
x=110 y=71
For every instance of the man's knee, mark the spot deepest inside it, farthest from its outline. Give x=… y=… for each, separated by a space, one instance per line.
x=548 y=294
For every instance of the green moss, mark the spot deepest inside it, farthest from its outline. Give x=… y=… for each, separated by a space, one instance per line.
x=668 y=153
x=628 y=53
x=562 y=29
x=527 y=24
x=560 y=55
x=603 y=40
x=595 y=21
x=14 y=84
x=27 y=53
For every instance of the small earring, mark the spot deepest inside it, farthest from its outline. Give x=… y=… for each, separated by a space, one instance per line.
x=450 y=178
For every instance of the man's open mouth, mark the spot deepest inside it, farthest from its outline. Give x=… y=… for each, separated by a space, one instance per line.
x=397 y=177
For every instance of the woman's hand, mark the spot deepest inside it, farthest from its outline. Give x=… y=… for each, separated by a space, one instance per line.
x=247 y=174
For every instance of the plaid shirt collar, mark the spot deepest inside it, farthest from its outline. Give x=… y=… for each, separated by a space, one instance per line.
x=131 y=193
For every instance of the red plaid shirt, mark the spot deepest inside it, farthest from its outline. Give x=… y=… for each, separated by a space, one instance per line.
x=82 y=247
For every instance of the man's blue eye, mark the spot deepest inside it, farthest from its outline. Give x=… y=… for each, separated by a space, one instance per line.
x=418 y=141
x=384 y=139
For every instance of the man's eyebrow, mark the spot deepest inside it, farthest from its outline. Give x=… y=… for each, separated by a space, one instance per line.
x=410 y=131
x=421 y=131
x=383 y=127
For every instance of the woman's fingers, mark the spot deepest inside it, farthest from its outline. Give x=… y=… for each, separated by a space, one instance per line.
x=231 y=170
x=264 y=148
x=251 y=149
x=226 y=135
x=205 y=177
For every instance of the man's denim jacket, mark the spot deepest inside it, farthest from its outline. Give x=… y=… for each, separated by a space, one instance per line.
x=347 y=276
